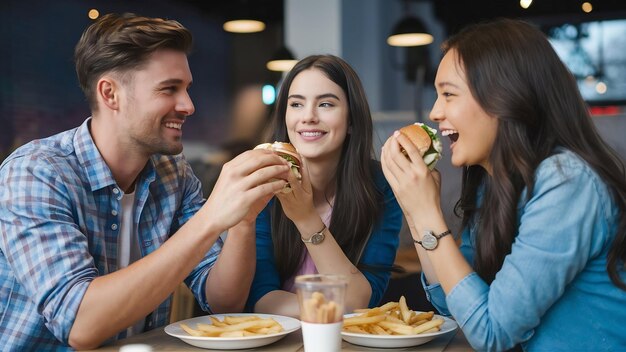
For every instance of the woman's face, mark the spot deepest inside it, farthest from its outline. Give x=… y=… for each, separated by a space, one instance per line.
x=317 y=116
x=471 y=130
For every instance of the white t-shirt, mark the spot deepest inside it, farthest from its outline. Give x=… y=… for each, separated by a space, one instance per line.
x=128 y=247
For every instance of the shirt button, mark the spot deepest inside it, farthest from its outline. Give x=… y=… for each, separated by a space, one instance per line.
x=114 y=212
x=114 y=227
x=116 y=191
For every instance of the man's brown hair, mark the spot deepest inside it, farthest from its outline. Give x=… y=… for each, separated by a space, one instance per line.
x=119 y=43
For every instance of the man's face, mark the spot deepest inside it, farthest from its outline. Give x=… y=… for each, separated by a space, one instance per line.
x=155 y=103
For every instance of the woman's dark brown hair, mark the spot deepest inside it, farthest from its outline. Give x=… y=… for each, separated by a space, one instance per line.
x=515 y=74
x=358 y=203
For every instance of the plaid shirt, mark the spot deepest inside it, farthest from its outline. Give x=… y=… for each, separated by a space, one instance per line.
x=59 y=221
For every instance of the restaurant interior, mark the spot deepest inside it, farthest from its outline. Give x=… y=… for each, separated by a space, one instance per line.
x=234 y=90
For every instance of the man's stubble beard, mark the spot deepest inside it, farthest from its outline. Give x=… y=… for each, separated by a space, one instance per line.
x=159 y=146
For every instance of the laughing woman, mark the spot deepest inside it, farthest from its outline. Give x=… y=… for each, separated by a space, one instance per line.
x=343 y=196
x=541 y=261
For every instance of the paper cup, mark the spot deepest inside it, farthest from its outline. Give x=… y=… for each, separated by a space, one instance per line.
x=321 y=337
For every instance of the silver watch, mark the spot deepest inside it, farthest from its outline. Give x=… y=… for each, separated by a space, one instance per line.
x=316 y=238
x=430 y=240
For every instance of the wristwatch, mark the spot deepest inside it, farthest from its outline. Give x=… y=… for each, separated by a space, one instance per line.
x=316 y=238
x=430 y=240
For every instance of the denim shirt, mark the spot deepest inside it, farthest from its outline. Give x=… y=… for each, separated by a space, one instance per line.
x=553 y=291
x=59 y=224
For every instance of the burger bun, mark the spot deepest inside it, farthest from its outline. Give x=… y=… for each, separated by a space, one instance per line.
x=426 y=140
x=420 y=139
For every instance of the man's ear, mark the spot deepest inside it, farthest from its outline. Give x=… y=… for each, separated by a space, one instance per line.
x=107 y=92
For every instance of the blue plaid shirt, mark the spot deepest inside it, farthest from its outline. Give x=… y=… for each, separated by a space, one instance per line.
x=59 y=222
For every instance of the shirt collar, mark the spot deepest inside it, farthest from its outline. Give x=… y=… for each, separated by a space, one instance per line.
x=98 y=173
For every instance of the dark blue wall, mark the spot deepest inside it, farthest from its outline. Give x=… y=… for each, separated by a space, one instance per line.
x=39 y=92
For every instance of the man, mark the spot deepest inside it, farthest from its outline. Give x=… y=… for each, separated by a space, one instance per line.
x=101 y=223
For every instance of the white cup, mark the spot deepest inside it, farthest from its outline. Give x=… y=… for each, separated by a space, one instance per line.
x=321 y=337
x=136 y=347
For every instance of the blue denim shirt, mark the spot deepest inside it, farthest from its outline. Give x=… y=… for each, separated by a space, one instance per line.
x=59 y=221
x=553 y=291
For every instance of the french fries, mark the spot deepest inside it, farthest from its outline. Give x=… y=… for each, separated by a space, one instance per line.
x=235 y=326
x=317 y=309
x=393 y=318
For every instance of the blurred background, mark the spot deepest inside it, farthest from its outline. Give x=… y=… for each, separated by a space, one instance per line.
x=234 y=89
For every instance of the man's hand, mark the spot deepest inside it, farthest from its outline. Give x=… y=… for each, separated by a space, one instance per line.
x=244 y=187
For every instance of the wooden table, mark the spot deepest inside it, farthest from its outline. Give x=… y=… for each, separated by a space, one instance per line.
x=160 y=341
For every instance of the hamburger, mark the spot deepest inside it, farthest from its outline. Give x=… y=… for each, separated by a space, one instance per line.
x=288 y=152
x=425 y=140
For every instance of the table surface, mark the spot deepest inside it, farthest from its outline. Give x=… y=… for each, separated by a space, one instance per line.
x=160 y=341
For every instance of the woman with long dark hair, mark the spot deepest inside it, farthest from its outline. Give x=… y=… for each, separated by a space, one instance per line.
x=343 y=196
x=541 y=261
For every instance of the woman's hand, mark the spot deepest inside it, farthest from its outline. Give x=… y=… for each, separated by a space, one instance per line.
x=416 y=188
x=418 y=192
x=298 y=204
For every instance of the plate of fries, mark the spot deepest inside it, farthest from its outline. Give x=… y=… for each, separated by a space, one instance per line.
x=233 y=331
x=394 y=325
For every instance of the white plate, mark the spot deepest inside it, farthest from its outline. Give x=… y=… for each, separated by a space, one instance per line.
x=397 y=341
x=230 y=343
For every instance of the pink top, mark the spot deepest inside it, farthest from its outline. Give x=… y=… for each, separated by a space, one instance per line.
x=308 y=266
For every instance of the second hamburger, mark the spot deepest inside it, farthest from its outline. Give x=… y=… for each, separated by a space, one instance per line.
x=426 y=140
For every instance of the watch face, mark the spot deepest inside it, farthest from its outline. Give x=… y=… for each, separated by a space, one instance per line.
x=429 y=241
x=317 y=238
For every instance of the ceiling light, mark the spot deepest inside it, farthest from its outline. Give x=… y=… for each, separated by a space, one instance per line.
x=283 y=60
x=93 y=14
x=525 y=3
x=410 y=31
x=244 y=26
